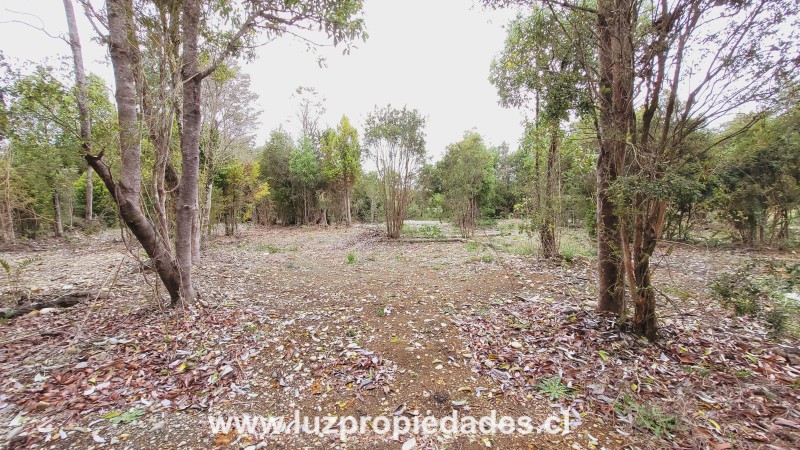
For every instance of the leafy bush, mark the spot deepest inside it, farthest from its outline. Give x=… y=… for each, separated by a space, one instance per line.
x=765 y=290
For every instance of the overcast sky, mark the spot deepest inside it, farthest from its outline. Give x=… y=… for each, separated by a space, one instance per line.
x=430 y=55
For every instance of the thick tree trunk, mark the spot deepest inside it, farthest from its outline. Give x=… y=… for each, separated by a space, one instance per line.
x=615 y=53
x=58 y=226
x=126 y=193
x=646 y=234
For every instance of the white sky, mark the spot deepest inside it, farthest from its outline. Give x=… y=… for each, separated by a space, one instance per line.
x=430 y=55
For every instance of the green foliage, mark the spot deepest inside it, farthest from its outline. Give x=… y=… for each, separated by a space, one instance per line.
x=274 y=169
x=554 y=388
x=238 y=191
x=765 y=290
x=341 y=154
x=759 y=177
x=351 y=258
x=647 y=416
x=423 y=231
x=125 y=417
x=467 y=174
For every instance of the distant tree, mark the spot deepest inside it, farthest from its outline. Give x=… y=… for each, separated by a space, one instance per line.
x=228 y=129
x=305 y=171
x=759 y=178
x=274 y=164
x=341 y=163
x=396 y=141
x=467 y=173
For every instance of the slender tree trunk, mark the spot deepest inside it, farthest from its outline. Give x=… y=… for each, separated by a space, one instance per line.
x=82 y=99
x=207 y=209
x=548 y=232
x=58 y=227
x=89 y=216
x=348 y=218
x=7 y=233
x=186 y=211
x=126 y=193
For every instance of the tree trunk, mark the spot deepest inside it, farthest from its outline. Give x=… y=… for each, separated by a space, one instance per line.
x=82 y=99
x=347 y=217
x=89 y=196
x=615 y=54
x=126 y=193
x=548 y=229
x=58 y=227
x=207 y=210
x=186 y=211
x=646 y=233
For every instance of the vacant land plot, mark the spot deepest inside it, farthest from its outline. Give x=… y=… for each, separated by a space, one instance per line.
x=342 y=322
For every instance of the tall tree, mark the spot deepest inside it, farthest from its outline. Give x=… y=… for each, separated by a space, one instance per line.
x=338 y=19
x=82 y=97
x=341 y=163
x=396 y=141
x=539 y=64
x=648 y=54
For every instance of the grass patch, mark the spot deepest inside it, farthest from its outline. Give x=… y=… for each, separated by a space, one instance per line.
x=351 y=258
x=473 y=246
x=423 y=231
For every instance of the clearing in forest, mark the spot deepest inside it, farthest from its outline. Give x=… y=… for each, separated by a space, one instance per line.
x=341 y=322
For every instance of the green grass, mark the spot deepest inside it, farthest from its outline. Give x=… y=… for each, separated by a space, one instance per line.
x=473 y=246
x=351 y=258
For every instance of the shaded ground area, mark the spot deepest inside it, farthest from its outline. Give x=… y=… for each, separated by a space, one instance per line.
x=341 y=322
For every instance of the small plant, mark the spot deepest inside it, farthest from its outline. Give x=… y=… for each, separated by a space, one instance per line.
x=472 y=246
x=647 y=416
x=127 y=417
x=15 y=275
x=568 y=253
x=487 y=258
x=554 y=388
x=351 y=258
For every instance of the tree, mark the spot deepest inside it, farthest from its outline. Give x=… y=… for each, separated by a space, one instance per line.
x=44 y=145
x=82 y=97
x=467 y=174
x=336 y=18
x=228 y=129
x=305 y=171
x=396 y=141
x=737 y=54
x=341 y=163
x=275 y=170
x=539 y=63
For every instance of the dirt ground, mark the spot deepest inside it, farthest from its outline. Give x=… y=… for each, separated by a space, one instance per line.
x=341 y=322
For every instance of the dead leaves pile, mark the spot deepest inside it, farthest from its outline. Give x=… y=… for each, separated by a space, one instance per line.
x=721 y=378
